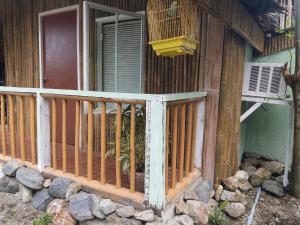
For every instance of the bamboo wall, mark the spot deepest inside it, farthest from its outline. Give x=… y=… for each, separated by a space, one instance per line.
x=200 y=72
x=278 y=44
x=228 y=133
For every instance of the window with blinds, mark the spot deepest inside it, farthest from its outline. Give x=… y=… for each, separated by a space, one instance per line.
x=121 y=57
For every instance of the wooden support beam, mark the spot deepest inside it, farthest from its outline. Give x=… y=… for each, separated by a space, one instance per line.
x=90 y=142
x=64 y=134
x=103 y=142
x=182 y=141
x=167 y=151
x=194 y=136
x=132 y=149
x=189 y=139
x=12 y=126
x=118 y=145
x=22 y=128
x=54 y=122
x=77 y=129
x=32 y=130
x=174 y=147
x=3 y=129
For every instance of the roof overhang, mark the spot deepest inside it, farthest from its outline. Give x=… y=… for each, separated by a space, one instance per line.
x=234 y=14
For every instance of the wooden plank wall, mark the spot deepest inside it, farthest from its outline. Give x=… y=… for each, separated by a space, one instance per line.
x=277 y=44
x=228 y=133
x=199 y=72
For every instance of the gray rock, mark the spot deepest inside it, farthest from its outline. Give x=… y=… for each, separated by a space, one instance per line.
x=273 y=187
x=230 y=183
x=73 y=189
x=93 y=222
x=242 y=176
x=59 y=209
x=253 y=161
x=80 y=206
x=231 y=196
x=95 y=207
x=257 y=178
x=184 y=220
x=146 y=216
x=107 y=206
x=190 y=195
x=250 y=170
x=279 y=179
x=1 y=173
x=126 y=221
x=47 y=183
x=275 y=167
x=41 y=199
x=30 y=178
x=9 y=185
x=173 y=222
x=204 y=186
x=155 y=223
x=212 y=204
x=10 y=168
x=59 y=187
x=125 y=212
x=245 y=187
x=25 y=193
x=218 y=193
x=181 y=208
x=203 y=196
x=235 y=210
x=198 y=211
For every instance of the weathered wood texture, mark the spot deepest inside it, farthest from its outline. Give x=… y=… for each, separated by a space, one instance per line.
x=234 y=14
x=277 y=44
x=228 y=133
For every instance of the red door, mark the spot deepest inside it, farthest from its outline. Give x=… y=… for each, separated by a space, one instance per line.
x=59 y=43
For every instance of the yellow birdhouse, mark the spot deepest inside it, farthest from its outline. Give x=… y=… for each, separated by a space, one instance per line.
x=173 y=27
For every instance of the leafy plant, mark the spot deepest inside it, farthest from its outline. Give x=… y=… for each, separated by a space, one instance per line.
x=45 y=219
x=217 y=217
x=140 y=122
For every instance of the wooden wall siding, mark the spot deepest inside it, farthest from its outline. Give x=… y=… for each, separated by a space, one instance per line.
x=234 y=14
x=228 y=133
x=277 y=44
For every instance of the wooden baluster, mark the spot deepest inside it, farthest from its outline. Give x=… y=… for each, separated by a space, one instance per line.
x=90 y=142
x=189 y=140
x=12 y=126
x=64 y=134
x=54 y=122
x=195 y=123
x=22 y=128
x=3 y=130
x=103 y=142
x=132 y=149
x=167 y=151
x=174 y=146
x=32 y=130
x=182 y=141
x=118 y=145
x=77 y=127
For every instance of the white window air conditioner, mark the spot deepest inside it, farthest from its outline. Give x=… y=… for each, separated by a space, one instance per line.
x=264 y=80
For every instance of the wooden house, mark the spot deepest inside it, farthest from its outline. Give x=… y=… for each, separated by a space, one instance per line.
x=86 y=97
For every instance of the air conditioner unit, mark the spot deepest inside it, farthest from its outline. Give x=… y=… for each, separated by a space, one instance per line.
x=264 y=80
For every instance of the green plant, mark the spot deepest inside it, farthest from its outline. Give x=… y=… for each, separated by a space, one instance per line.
x=217 y=217
x=140 y=122
x=45 y=219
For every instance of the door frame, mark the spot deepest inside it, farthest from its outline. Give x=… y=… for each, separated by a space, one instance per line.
x=52 y=12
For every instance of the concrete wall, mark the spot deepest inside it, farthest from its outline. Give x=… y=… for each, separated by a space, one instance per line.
x=266 y=130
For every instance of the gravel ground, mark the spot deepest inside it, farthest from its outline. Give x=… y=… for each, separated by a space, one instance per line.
x=271 y=210
x=14 y=212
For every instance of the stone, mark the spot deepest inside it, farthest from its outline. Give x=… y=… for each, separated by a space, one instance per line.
x=235 y=210
x=59 y=209
x=114 y=219
x=231 y=196
x=212 y=204
x=275 y=167
x=125 y=212
x=250 y=170
x=155 y=223
x=230 y=183
x=245 y=187
x=41 y=199
x=203 y=196
x=146 y=216
x=25 y=193
x=253 y=161
x=10 y=168
x=190 y=195
x=59 y=187
x=1 y=172
x=93 y=222
x=107 y=206
x=218 y=193
x=273 y=187
x=47 y=183
x=30 y=178
x=242 y=176
x=204 y=186
x=181 y=208
x=198 y=211
x=173 y=222
x=9 y=185
x=184 y=220
x=73 y=189
x=97 y=212
x=80 y=206
x=279 y=179
x=257 y=178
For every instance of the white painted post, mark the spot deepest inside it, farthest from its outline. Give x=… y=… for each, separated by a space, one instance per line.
x=43 y=132
x=154 y=154
x=200 y=134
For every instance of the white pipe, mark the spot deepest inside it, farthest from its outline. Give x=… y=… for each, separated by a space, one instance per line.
x=250 y=217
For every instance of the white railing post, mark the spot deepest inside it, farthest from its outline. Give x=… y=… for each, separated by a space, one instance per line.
x=43 y=132
x=155 y=156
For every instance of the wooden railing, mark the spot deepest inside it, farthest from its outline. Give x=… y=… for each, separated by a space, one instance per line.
x=62 y=141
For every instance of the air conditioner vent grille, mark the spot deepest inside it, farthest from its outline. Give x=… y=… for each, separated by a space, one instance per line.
x=253 y=78
x=264 y=81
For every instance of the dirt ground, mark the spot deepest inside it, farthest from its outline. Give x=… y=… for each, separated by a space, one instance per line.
x=14 y=212
x=271 y=210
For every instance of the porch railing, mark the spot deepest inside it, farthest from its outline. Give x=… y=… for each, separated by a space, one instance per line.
x=58 y=130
